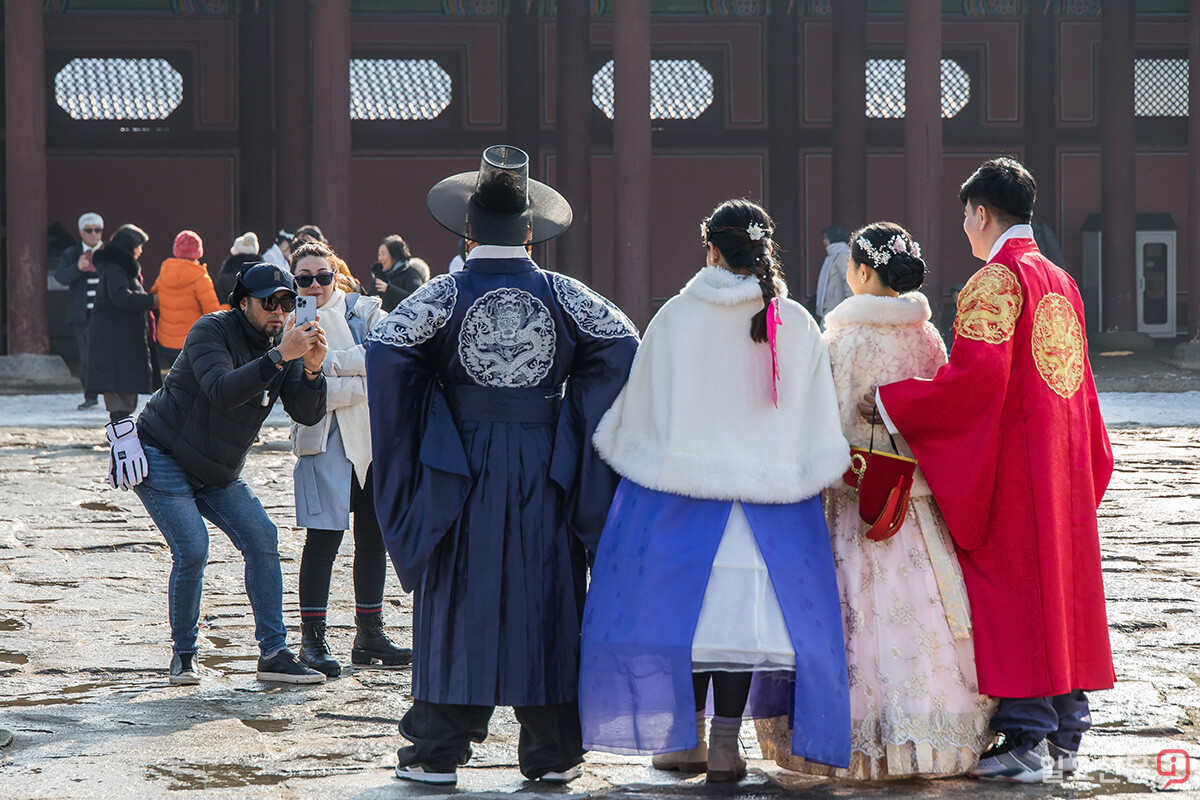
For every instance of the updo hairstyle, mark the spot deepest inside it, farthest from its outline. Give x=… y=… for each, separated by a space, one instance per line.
x=742 y=230
x=891 y=251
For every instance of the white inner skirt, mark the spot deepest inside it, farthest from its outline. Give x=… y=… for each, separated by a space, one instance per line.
x=741 y=626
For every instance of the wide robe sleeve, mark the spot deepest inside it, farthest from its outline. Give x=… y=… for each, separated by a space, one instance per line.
x=952 y=421
x=607 y=342
x=421 y=473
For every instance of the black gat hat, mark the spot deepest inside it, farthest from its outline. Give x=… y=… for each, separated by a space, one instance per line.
x=499 y=203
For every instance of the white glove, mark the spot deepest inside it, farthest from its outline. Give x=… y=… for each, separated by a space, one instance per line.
x=126 y=460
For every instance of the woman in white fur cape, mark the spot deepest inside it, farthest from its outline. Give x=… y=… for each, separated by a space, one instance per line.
x=715 y=565
x=915 y=705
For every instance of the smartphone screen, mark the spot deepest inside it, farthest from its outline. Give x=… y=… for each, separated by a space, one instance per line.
x=306 y=310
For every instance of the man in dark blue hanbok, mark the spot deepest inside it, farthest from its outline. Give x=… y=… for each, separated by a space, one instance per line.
x=486 y=386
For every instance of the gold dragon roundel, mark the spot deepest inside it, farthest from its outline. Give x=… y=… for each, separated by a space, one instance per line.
x=1059 y=347
x=989 y=305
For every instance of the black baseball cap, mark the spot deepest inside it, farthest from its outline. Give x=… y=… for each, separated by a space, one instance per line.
x=261 y=280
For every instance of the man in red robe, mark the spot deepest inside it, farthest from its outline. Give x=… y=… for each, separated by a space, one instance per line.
x=1010 y=438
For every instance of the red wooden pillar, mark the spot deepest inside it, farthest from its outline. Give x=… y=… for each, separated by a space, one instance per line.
x=1118 y=248
x=25 y=145
x=1193 y=221
x=255 y=173
x=1040 y=153
x=331 y=120
x=924 y=200
x=293 y=117
x=849 y=114
x=783 y=154
x=574 y=136
x=631 y=154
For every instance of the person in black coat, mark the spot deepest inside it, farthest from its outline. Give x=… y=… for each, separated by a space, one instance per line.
x=244 y=251
x=76 y=271
x=397 y=273
x=190 y=444
x=121 y=361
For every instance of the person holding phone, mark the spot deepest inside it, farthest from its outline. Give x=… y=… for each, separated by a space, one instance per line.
x=333 y=469
x=189 y=445
x=397 y=273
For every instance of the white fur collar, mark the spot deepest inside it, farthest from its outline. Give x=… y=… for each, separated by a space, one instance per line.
x=869 y=309
x=720 y=287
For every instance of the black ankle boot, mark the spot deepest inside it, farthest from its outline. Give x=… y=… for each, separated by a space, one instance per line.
x=372 y=644
x=313 y=650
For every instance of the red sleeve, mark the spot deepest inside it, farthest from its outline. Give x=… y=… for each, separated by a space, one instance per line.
x=952 y=421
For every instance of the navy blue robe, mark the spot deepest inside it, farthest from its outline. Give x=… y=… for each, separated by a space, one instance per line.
x=485 y=388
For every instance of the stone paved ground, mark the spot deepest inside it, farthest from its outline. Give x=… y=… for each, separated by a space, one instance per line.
x=84 y=648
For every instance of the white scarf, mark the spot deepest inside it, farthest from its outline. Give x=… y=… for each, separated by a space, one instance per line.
x=354 y=422
x=696 y=417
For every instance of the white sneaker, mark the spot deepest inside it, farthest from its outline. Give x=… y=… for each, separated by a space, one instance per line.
x=1001 y=763
x=420 y=774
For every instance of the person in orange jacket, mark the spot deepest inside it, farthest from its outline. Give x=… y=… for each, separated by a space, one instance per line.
x=185 y=293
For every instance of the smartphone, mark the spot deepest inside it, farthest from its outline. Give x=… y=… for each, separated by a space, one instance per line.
x=377 y=269
x=306 y=310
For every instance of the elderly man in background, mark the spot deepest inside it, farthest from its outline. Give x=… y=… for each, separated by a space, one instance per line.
x=76 y=271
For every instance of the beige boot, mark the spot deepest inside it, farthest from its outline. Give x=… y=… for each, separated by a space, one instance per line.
x=725 y=762
x=694 y=760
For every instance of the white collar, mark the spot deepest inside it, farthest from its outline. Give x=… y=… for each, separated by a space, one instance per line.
x=720 y=287
x=498 y=251
x=868 y=309
x=1015 y=232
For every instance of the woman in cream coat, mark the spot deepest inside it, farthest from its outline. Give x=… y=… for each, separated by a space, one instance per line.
x=915 y=704
x=714 y=567
x=333 y=474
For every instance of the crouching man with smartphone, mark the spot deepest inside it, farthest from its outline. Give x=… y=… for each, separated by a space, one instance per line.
x=189 y=445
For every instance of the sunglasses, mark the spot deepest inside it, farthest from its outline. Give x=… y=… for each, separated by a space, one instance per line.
x=93 y=230
x=287 y=302
x=305 y=281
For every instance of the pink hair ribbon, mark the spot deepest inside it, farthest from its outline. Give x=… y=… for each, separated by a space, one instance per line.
x=773 y=322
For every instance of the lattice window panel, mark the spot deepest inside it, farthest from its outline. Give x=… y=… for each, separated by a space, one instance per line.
x=1160 y=87
x=885 y=88
x=398 y=88
x=679 y=89
x=118 y=88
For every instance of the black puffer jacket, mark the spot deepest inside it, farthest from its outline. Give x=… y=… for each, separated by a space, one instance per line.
x=227 y=279
x=119 y=358
x=211 y=406
x=402 y=279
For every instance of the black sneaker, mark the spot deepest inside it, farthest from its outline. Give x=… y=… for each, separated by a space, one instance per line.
x=284 y=668
x=88 y=402
x=182 y=671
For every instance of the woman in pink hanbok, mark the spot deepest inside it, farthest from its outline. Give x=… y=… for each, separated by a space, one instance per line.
x=914 y=705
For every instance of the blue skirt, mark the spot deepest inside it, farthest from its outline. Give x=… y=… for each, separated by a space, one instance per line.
x=644 y=599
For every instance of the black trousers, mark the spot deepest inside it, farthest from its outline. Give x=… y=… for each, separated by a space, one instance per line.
x=441 y=736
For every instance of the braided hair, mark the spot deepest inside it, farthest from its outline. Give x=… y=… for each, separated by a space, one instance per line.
x=891 y=251
x=742 y=230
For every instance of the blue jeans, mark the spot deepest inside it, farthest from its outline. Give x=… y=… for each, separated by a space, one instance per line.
x=179 y=504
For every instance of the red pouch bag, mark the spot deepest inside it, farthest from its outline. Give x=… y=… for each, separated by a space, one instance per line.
x=883 y=482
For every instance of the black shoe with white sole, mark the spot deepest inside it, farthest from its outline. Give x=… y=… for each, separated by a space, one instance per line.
x=1001 y=762
x=422 y=773
x=182 y=671
x=284 y=668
